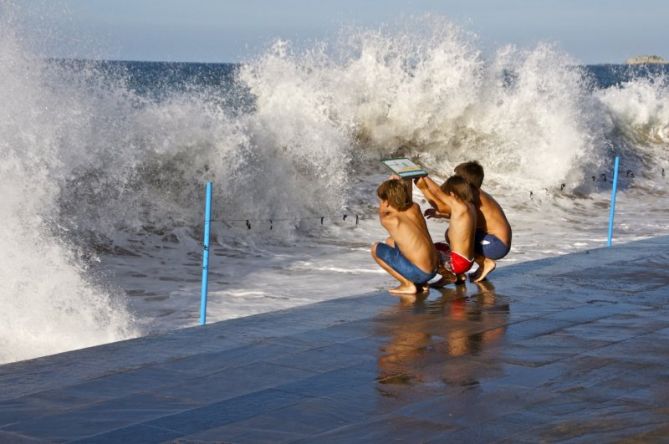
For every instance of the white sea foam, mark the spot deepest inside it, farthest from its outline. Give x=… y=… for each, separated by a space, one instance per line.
x=431 y=94
x=639 y=110
x=48 y=302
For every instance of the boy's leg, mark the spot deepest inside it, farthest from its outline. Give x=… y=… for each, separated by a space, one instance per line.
x=447 y=277
x=486 y=266
x=457 y=279
x=405 y=287
x=488 y=249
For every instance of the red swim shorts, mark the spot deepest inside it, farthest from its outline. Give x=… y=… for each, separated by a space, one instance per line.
x=460 y=264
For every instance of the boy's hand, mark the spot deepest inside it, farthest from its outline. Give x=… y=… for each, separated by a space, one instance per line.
x=420 y=182
x=430 y=213
x=394 y=176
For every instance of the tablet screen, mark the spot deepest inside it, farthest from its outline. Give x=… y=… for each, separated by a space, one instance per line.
x=404 y=168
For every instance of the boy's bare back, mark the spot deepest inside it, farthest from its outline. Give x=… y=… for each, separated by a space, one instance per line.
x=491 y=218
x=409 y=231
x=461 y=228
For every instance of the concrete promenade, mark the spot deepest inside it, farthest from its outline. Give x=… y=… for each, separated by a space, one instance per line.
x=574 y=348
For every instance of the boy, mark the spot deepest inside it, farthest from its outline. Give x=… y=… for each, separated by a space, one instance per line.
x=455 y=200
x=408 y=254
x=493 y=231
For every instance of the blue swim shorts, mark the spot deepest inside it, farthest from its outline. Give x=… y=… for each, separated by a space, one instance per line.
x=489 y=245
x=396 y=260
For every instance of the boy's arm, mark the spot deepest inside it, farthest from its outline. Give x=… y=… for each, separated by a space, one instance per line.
x=436 y=198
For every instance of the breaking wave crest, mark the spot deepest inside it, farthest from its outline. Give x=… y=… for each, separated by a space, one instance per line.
x=534 y=117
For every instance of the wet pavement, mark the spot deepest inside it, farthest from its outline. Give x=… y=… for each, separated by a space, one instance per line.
x=573 y=349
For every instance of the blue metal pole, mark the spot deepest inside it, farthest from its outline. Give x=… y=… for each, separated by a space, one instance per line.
x=205 y=255
x=613 y=199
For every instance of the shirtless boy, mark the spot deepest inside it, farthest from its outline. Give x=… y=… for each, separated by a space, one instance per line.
x=408 y=254
x=454 y=199
x=493 y=231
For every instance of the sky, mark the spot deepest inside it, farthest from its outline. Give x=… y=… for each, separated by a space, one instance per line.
x=592 y=31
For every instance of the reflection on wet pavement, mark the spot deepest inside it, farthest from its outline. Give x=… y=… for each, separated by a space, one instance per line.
x=425 y=334
x=563 y=349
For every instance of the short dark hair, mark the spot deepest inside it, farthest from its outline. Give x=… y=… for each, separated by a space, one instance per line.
x=396 y=193
x=472 y=173
x=459 y=186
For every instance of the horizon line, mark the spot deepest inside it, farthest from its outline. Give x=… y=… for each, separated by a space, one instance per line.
x=93 y=59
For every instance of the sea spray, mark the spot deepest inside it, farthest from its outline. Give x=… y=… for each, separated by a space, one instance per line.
x=314 y=119
x=432 y=94
x=639 y=110
x=48 y=303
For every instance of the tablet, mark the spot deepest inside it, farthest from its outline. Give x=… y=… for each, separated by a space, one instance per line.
x=404 y=168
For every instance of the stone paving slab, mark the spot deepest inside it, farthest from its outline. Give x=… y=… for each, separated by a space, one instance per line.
x=572 y=348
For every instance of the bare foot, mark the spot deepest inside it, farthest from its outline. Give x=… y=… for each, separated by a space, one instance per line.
x=404 y=289
x=486 y=268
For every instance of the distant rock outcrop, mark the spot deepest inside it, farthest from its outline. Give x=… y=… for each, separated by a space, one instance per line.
x=646 y=60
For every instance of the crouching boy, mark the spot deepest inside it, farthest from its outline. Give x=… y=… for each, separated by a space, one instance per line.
x=454 y=200
x=408 y=254
x=493 y=231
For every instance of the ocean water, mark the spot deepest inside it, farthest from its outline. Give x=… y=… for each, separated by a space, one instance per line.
x=103 y=166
